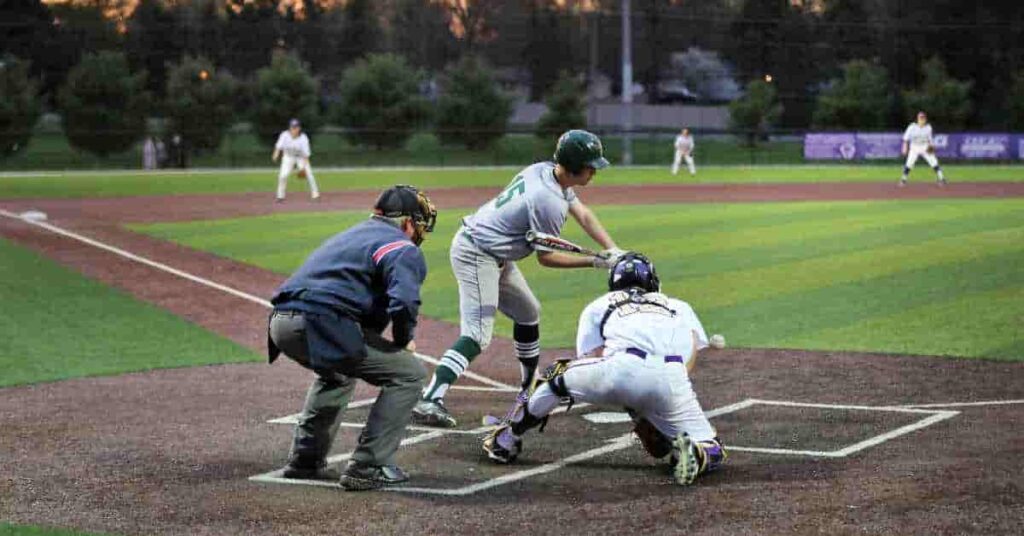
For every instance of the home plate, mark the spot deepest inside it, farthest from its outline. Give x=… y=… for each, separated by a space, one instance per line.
x=608 y=417
x=33 y=215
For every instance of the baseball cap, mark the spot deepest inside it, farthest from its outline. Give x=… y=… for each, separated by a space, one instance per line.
x=294 y=123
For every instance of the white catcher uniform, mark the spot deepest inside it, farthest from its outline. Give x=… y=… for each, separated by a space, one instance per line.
x=295 y=155
x=684 y=151
x=646 y=349
x=918 y=139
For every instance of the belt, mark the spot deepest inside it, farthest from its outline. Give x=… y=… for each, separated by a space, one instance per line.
x=643 y=355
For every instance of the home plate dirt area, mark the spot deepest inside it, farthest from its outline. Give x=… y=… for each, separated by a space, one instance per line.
x=820 y=442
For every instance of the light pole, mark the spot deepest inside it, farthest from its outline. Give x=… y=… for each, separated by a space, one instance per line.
x=627 y=86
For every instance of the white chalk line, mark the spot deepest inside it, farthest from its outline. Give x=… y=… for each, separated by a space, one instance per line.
x=966 y=404
x=626 y=441
x=205 y=282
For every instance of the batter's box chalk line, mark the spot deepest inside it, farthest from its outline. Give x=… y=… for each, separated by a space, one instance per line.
x=929 y=417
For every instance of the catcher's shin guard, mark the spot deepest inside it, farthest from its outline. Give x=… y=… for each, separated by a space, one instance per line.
x=694 y=458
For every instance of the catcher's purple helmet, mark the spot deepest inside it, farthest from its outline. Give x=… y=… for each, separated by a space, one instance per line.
x=633 y=270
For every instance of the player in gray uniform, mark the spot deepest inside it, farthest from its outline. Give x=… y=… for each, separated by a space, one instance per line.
x=484 y=252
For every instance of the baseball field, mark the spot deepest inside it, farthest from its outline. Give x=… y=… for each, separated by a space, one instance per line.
x=873 y=380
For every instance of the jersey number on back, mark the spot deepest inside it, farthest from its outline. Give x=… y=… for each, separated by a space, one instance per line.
x=518 y=187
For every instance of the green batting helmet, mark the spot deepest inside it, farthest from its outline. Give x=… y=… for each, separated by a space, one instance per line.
x=577 y=149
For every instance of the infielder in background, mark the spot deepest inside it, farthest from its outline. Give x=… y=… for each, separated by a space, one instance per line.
x=649 y=344
x=292 y=148
x=483 y=256
x=918 y=142
x=684 y=151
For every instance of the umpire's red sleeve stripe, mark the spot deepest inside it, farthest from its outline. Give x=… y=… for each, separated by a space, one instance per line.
x=388 y=248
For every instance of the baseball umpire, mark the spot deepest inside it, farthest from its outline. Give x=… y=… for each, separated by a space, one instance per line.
x=329 y=317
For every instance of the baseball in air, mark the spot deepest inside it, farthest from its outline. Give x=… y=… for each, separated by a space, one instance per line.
x=718 y=340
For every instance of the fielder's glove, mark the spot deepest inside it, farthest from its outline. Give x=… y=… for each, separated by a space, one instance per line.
x=931 y=149
x=301 y=175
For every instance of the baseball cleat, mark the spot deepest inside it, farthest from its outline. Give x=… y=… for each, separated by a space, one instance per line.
x=433 y=413
x=301 y=471
x=902 y=183
x=360 y=477
x=941 y=182
x=686 y=467
x=502 y=446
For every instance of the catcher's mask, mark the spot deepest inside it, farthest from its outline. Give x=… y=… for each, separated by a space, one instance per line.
x=633 y=270
x=405 y=200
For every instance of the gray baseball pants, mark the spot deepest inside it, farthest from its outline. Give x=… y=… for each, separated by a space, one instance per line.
x=397 y=372
x=488 y=285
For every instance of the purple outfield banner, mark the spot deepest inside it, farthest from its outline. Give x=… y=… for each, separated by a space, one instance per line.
x=887 y=145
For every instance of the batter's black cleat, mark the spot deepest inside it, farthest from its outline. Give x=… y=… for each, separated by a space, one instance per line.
x=360 y=477
x=309 y=471
x=433 y=413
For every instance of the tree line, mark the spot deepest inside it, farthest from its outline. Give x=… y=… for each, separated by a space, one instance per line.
x=105 y=105
x=825 y=58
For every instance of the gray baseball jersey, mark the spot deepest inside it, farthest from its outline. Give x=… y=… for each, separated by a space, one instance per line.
x=532 y=201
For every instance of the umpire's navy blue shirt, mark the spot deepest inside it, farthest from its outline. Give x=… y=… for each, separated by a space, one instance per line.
x=371 y=272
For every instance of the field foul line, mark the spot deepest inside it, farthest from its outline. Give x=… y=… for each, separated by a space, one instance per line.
x=965 y=404
x=206 y=282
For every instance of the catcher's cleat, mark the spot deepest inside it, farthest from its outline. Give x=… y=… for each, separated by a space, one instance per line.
x=300 y=471
x=359 y=477
x=691 y=459
x=684 y=453
x=502 y=446
x=433 y=413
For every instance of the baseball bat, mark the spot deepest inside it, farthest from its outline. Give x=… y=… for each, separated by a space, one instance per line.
x=547 y=242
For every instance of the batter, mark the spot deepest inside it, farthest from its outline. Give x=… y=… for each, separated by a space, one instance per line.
x=483 y=256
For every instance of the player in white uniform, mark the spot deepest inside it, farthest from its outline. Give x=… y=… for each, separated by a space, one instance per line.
x=484 y=254
x=918 y=142
x=650 y=344
x=684 y=151
x=292 y=148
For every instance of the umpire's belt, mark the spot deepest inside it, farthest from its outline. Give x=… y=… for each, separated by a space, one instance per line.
x=643 y=355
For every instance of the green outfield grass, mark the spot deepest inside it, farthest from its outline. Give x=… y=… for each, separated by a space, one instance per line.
x=126 y=184
x=920 y=277
x=7 y=529
x=50 y=150
x=57 y=324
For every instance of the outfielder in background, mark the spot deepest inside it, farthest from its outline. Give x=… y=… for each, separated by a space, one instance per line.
x=918 y=142
x=483 y=256
x=649 y=344
x=684 y=151
x=292 y=148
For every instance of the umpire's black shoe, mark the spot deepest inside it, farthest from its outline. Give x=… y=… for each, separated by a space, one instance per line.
x=309 y=471
x=360 y=477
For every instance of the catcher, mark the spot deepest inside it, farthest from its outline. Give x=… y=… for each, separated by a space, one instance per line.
x=650 y=343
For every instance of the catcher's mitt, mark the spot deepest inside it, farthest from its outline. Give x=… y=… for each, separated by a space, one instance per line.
x=931 y=149
x=654 y=442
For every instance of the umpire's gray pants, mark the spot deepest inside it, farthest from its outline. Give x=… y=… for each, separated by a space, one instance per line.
x=397 y=372
x=487 y=285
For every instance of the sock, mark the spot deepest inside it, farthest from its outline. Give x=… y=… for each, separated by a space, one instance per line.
x=453 y=363
x=527 y=342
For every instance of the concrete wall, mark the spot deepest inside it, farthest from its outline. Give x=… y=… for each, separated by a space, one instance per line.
x=644 y=116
